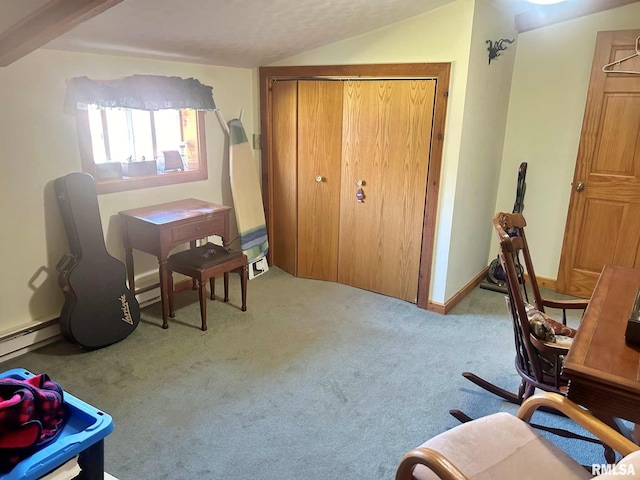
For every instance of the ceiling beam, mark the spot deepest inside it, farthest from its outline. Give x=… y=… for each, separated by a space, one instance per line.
x=544 y=15
x=46 y=23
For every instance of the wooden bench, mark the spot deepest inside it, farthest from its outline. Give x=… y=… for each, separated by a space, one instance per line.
x=206 y=263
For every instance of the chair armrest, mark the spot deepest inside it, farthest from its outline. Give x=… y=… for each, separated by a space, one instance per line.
x=565 y=304
x=431 y=459
x=581 y=416
x=548 y=347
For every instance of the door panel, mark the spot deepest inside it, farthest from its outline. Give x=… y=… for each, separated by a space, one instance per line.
x=386 y=140
x=283 y=241
x=602 y=222
x=319 y=154
x=604 y=216
x=617 y=149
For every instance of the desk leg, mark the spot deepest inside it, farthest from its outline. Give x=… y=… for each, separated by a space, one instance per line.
x=128 y=258
x=164 y=290
x=194 y=284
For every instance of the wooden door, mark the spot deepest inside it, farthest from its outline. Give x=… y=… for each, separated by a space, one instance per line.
x=319 y=154
x=284 y=126
x=385 y=144
x=603 y=221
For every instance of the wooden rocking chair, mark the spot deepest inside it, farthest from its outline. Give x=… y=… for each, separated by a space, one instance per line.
x=538 y=355
x=541 y=343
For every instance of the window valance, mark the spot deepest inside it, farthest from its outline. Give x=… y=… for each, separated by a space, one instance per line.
x=141 y=92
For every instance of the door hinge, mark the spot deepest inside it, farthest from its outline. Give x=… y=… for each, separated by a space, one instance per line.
x=256 y=141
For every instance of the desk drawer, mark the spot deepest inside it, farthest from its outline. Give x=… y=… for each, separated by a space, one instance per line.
x=198 y=229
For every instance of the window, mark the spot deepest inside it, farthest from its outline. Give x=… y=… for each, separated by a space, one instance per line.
x=140 y=131
x=125 y=149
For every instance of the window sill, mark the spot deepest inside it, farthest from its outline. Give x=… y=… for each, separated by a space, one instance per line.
x=161 y=179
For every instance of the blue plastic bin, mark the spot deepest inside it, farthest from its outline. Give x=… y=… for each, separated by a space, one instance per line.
x=82 y=435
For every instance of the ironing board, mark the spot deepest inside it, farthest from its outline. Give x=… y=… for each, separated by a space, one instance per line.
x=247 y=195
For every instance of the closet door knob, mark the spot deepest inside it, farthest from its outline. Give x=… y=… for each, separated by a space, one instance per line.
x=319 y=178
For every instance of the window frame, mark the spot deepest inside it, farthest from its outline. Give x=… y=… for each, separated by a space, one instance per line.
x=134 y=183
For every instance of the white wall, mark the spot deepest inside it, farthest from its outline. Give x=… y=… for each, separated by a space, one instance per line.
x=38 y=143
x=485 y=114
x=548 y=95
x=474 y=129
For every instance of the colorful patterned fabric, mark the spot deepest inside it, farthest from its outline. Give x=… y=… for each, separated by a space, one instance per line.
x=32 y=414
x=247 y=194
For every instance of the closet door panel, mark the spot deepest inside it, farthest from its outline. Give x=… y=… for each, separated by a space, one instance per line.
x=283 y=241
x=319 y=156
x=386 y=142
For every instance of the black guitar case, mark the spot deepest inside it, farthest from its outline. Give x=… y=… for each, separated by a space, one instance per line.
x=99 y=309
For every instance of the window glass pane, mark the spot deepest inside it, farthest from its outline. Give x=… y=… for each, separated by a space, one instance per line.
x=142 y=141
x=97 y=135
x=120 y=137
x=189 y=143
x=114 y=136
x=168 y=133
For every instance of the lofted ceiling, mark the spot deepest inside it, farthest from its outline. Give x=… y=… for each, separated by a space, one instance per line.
x=239 y=33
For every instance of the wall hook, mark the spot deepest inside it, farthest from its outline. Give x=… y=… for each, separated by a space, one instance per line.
x=496 y=47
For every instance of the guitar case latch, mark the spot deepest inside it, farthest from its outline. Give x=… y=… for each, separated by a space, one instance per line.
x=65 y=263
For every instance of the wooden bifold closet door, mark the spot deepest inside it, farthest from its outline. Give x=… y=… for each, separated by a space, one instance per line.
x=385 y=144
x=319 y=152
x=331 y=138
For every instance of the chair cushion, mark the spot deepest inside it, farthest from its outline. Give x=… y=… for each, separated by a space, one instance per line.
x=546 y=328
x=205 y=256
x=501 y=446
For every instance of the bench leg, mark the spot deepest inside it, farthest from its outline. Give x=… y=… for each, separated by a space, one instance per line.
x=244 y=274
x=212 y=287
x=226 y=286
x=203 y=304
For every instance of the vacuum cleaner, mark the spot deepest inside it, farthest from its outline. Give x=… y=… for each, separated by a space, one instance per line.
x=496 y=279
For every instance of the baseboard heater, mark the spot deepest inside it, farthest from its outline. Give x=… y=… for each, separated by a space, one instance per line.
x=21 y=341
x=15 y=343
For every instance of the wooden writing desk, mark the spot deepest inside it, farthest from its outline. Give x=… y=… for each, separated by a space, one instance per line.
x=603 y=371
x=158 y=229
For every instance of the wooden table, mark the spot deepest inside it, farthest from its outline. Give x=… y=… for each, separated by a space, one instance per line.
x=158 y=229
x=603 y=371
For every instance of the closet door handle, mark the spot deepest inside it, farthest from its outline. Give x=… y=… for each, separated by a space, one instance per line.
x=360 y=193
x=319 y=178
